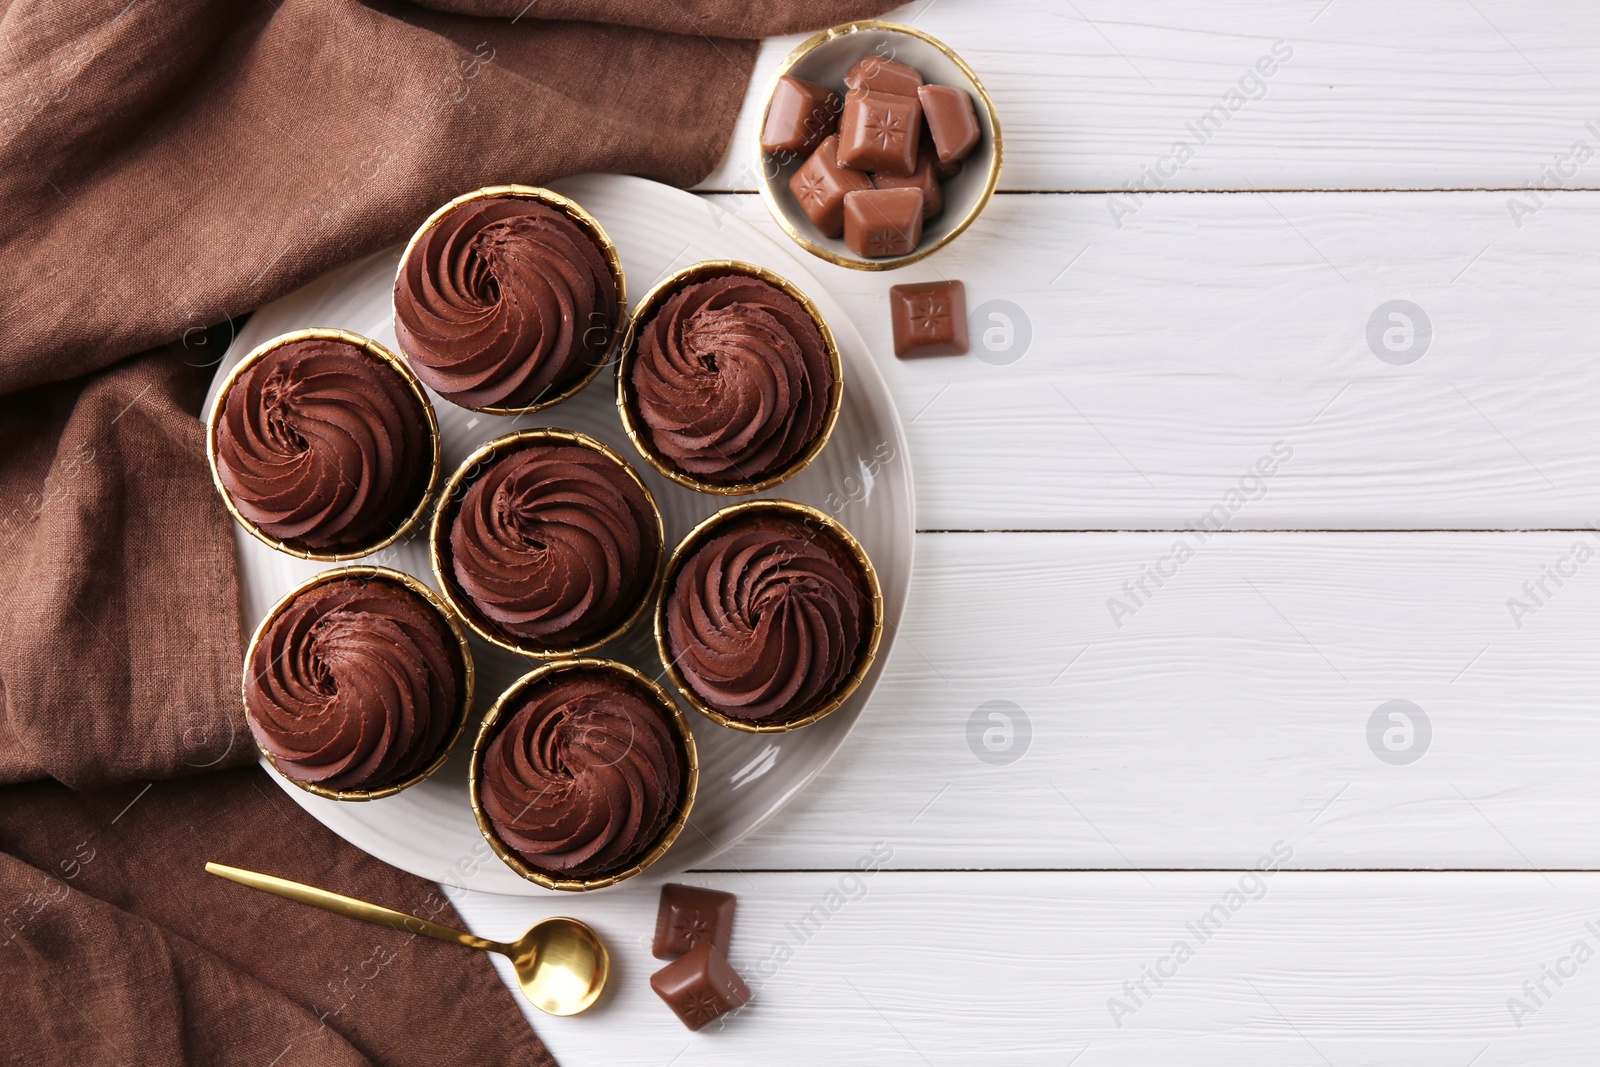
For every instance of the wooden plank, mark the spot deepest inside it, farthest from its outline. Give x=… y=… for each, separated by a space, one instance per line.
x=1231 y=706
x=1149 y=369
x=1292 y=968
x=1424 y=95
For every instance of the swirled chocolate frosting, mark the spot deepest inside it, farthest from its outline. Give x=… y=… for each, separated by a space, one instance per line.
x=504 y=302
x=355 y=685
x=555 y=544
x=584 y=777
x=323 y=445
x=768 y=619
x=731 y=380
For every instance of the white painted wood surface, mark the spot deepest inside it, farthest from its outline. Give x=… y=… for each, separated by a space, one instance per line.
x=1430 y=94
x=1230 y=707
x=1229 y=712
x=1165 y=358
x=1019 y=968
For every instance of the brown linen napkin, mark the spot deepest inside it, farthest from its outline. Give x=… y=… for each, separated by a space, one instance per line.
x=117 y=948
x=163 y=167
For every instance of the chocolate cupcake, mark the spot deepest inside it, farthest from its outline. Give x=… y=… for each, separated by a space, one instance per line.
x=583 y=774
x=730 y=380
x=508 y=299
x=323 y=445
x=769 y=617
x=547 y=543
x=357 y=684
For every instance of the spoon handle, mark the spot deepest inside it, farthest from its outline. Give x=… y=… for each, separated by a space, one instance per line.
x=350 y=906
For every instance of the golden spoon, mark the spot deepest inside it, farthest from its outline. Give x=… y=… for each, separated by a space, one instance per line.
x=562 y=964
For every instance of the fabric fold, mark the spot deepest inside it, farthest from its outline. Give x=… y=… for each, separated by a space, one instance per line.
x=118 y=948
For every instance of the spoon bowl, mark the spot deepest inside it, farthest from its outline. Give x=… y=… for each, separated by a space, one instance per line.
x=562 y=966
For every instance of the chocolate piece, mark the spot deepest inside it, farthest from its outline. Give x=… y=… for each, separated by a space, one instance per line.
x=690 y=917
x=584 y=776
x=951 y=120
x=944 y=170
x=731 y=380
x=355 y=685
x=930 y=319
x=321 y=444
x=883 y=222
x=700 y=986
x=800 y=115
x=504 y=302
x=880 y=132
x=768 y=619
x=925 y=179
x=884 y=76
x=554 y=544
x=820 y=185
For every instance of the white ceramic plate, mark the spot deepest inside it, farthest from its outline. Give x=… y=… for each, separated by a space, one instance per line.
x=862 y=478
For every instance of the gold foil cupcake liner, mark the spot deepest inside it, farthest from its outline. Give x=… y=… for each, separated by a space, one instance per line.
x=385 y=358
x=770 y=196
x=449 y=505
x=708 y=529
x=585 y=222
x=468 y=675
x=646 y=310
x=489 y=728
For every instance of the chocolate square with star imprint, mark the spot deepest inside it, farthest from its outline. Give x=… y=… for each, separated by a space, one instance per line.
x=820 y=185
x=880 y=132
x=930 y=319
x=799 y=116
x=690 y=917
x=701 y=986
x=883 y=222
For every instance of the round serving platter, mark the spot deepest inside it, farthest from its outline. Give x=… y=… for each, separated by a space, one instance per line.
x=862 y=478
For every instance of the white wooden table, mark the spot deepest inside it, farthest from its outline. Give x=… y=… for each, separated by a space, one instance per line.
x=1080 y=885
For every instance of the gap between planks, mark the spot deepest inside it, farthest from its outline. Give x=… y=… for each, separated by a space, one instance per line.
x=1280 y=530
x=1147 y=870
x=1229 y=191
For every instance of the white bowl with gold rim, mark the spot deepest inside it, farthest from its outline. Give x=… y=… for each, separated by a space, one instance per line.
x=824 y=59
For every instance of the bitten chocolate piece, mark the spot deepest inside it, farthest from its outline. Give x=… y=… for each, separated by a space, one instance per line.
x=820 y=186
x=700 y=986
x=690 y=917
x=883 y=222
x=926 y=179
x=951 y=120
x=801 y=114
x=880 y=132
x=930 y=319
x=884 y=76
